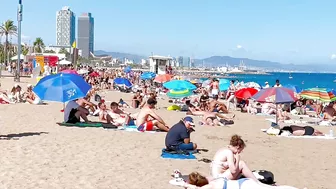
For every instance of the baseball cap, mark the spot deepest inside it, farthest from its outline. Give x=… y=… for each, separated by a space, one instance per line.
x=190 y=120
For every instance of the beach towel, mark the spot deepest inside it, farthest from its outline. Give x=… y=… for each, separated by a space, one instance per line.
x=81 y=124
x=263 y=114
x=291 y=121
x=177 y=154
x=134 y=128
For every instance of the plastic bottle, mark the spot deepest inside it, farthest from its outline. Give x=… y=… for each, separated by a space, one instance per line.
x=331 y=133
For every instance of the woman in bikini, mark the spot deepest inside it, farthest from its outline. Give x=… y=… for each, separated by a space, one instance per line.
x=196 y=180
x=227 y=163
x=230 y=95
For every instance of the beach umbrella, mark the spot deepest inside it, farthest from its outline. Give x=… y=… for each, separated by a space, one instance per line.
x=61 y=87
x=70 y=72
x=179 y=85
x=294 y=88
x=64 y=62
x=128 y=69
x=94 y=74
x=245 y=93
x=253 y=85
x=162 y=78
x=277 y=95
x=322 y=94
x=195 y=81
x=181 y=93
x=147 y=75
x=224 y=84
x=122 y=81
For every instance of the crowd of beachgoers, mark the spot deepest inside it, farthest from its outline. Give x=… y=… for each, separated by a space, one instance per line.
x=204 y=99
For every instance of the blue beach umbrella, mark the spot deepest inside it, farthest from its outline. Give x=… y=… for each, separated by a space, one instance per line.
x=147 y=75
x=179 y=85
x=224 y=84
x=128 y=69
x=122 y=81
x=294 y=88
x=61 y=87
x=182 y=93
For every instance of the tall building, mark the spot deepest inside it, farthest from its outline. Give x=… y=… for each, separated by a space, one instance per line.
x=86 y=34
x=65 y=27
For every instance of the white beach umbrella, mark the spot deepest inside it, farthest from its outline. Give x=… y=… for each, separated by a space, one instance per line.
x=16 y=57
x=64 y=62
x=81 y=72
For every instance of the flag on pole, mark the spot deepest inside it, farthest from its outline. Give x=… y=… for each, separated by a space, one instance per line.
x=74 y=45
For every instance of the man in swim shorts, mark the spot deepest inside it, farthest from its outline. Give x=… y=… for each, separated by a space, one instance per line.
x=216 y=106
x=73 y=112
x=178 y=137
x=214 y=87
x=147 y=119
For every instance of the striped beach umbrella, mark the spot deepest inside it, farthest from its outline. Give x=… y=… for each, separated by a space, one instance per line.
x=181 y=93
x=277 y=95
x=321 y=94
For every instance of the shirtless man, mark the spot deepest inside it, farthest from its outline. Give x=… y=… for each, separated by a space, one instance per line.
x=85 y=103
x=147 y=118
x=329 y=112
x=216 y=106
x=214 y=87
x=119 y=116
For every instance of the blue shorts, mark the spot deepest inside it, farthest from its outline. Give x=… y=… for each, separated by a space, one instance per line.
x=183 y=146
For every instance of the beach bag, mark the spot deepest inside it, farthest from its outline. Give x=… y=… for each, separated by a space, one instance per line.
x=264 y=176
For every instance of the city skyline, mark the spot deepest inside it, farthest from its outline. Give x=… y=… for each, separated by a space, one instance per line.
x=65 y=27
x=283 y=31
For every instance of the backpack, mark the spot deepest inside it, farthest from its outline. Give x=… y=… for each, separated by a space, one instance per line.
x=264 y=176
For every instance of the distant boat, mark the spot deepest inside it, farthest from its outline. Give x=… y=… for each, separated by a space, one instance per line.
x=290 y=76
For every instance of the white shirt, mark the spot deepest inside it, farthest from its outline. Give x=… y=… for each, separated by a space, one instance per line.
x=71 y=105
x=267 y=86
x=277 y=85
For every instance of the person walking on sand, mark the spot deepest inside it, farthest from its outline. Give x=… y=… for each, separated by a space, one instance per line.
x=147 y=119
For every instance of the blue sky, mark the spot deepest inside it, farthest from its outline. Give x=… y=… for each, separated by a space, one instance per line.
x=288 y=31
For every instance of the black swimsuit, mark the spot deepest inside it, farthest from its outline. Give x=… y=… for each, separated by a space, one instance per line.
x=309 y=130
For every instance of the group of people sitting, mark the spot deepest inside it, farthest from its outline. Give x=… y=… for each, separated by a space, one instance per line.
x=16 y=95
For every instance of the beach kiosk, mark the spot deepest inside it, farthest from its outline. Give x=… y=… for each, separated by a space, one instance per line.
x=159 y=64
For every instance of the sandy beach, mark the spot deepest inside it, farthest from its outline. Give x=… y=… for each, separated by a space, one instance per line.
x=37 y=153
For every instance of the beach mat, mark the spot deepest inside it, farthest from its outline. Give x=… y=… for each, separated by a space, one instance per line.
x=177 y=155
x=82 y=124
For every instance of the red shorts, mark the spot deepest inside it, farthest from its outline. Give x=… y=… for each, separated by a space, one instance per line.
x=148 y=126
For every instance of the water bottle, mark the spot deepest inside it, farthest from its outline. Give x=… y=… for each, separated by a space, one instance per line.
x=331 y=133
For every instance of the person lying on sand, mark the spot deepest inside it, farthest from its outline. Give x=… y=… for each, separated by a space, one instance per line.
x=73 y=112
x=215 y=119
x=119 y=117
x=216 y=106
x=296 y=131
x=147 y=119
x=283 y=114
x=227 y=163
x=196 y=180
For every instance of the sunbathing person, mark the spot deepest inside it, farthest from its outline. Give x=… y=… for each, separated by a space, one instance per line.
x=299 y=131
x=227 y=163
x=119 y=117
x=147 y=119
x=215 y=119
x=329 y=112
x=31 y=97
x=283 y=114
x=104 y=116
x=137 y=100
x=123 y=104
x=16 y=94
x=196 y=180
x=216 y=106
x=85 y=103
x=73 y=112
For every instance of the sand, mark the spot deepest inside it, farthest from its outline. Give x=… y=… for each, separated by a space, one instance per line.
x=37 y=153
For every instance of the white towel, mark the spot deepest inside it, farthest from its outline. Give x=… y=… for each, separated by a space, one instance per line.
x=315 y=137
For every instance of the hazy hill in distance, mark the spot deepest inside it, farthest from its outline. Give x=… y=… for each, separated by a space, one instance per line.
x=121 y=56
x=219 y=61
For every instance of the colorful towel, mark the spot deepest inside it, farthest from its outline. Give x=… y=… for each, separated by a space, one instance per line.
x=171 y=155
x=80 y=124
x=133 y=128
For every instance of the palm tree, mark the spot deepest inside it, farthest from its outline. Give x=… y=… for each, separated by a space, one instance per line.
x=7 y=29
x=38 y=45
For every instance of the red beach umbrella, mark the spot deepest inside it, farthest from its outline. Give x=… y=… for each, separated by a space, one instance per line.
x=245 y=93
x=94 y=74
x=162 y=78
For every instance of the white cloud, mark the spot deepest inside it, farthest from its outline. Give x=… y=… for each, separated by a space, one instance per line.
x=333 y=57
x=239 y=46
